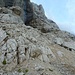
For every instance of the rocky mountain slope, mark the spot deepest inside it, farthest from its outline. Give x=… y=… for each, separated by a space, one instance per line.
x=32 y=44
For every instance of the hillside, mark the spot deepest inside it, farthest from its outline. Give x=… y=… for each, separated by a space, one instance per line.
x=31 y=44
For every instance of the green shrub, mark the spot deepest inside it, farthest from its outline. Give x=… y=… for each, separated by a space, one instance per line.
x=19 y=70
x=26 y=70
x=4 y=62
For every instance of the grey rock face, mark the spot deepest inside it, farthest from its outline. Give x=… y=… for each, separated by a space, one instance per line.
x=23 y=42
x=38 y=9
x=25 y=50
x=2 y=3
x=40 y=21
x=32 y=14
x=8 y=3
x=24 y=4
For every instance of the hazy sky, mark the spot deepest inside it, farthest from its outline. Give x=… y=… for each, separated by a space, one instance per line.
x=61 y=11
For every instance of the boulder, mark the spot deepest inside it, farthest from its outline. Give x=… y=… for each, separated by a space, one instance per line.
x=9 y=18
x=11 y=45
x=5 y=10
x=60 y=54
x=58 y=41
x=16 y=9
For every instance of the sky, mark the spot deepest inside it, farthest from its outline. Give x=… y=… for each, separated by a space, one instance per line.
x=60 y=11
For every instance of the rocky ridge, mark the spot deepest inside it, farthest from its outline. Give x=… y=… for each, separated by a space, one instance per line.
x=38 y=48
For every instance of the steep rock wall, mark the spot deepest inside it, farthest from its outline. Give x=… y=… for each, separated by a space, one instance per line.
x=32 y=14
x=24 y=4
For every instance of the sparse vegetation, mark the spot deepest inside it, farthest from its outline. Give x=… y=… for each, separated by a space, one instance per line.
x=19 y=70
x=26 y=70
x=4 y=62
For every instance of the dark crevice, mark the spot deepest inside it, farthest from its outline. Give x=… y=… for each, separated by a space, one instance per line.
x=17 y=54
x=26 y=50
x=70 y=49
x=5 y=54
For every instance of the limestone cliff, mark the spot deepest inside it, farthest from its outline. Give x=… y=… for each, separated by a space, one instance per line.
x=32 y=14
x=31 y=44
